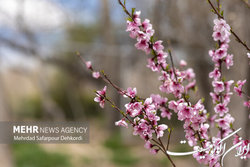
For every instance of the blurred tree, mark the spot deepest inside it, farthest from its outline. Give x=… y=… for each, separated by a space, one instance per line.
x=112 y=59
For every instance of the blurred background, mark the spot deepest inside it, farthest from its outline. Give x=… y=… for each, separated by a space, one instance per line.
x=42 y=79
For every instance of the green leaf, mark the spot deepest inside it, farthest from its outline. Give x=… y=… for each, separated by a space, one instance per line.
x=187 y=96
x=167 y=68
x=202 y=140
x=152 y=39
x=231 y=125
x=133 y=11
x=129 y=19
x=222 y=13
x=216 y=45
x=208 y=115
x=195 y=89
x=124 y=2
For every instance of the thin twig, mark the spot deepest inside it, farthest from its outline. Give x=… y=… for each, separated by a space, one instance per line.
x=169 y=136
x=117 y=108
x=125 y=9
x=106 y=79
x=246 y=3
x=172 y=63
x=234 y=34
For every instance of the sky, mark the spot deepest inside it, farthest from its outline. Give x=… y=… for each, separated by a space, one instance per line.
x=47 y=20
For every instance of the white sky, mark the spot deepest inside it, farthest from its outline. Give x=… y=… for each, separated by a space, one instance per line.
x=37 y=14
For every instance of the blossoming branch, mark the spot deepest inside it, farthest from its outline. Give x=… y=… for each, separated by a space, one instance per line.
x=144 y=114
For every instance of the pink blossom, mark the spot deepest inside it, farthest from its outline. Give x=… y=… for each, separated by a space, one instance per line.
x=142 y=45
x=218 y=86
x=198 y=156
x=146 y=25
x=219 y=24
x=150 y=32
x=178 y=89
x=142 y=35
x=160 y=130
x=217 y=36
x=144 y=129
x=152 y=65
x=227 y=97
x=224 y=132
x=183 y=63
x=203 y=130
x=215 y=74
x=96 y=75
x=222 y=123
x=121 y=122
x=221 y=53
x=221 y=109
x=131 y=92
x=148 y=105
x=158 y=99
x=238 y=87
x=190 y=74
x=167 y=86
x=157 y=46
x=199 y=106
x=215 y=97
x=134 y=109
x=148 y=145
x=151 y=115
x=191 y=85
x=212 y=120
x=244 y=146
x=192 y=141
x=137 y=20
x=137 y=14
x=88 y=64
x=229 y=61
x=154 y=151
x=247 y=104
x=228 y=85
x=164 y=76
x=221 y=31
x=101 y=97
x=212 y=55
x=184 y=111
x=165 y=113
x=133 y=28
x=161 y=58
x=173 y=105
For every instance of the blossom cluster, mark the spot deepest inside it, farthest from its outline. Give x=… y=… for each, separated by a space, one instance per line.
x=171 y=78
x=238 y=88
x=222 y=89
x=101 y=94
x=144 y=114
x=244 y=147
x=174 y=81
x=145 y=118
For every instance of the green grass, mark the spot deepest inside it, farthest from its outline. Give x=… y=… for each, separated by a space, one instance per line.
x=87 y=161
x=32 y=155
x=121 y=154
x=30 y=107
